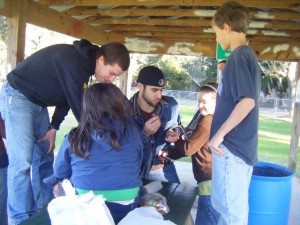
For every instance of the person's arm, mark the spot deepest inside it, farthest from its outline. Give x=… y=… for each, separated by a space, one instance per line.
x=241 y=110
x=57 y=118
x=198 y=138
x=73 y=73
x=62 y=166
x=174 y=120
x=196 y=141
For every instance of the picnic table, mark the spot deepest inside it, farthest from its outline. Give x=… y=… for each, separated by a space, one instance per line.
x=180 y=199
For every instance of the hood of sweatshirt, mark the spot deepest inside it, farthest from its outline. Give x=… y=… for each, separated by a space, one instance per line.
x=88 y=51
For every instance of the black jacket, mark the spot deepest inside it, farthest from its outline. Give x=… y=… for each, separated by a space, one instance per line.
x=55 y=76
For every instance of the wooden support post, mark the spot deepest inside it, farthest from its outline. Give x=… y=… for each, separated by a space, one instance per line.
x=296 y=125
x=125 y=84
x=17 y=33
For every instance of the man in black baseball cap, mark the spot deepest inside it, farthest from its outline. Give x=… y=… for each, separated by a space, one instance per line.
x=155 y=114
x=152 y=76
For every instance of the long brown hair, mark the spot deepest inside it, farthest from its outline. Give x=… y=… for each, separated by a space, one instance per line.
x=103 y=104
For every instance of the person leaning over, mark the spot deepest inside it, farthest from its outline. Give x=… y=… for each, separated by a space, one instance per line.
x=194 y=142
x=53 y=76
x=234 y=132
x=104 y=152
x=155 y=114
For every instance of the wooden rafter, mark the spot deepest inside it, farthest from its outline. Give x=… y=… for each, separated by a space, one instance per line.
x=273 y=22
x=250 y=3
x=169 y=12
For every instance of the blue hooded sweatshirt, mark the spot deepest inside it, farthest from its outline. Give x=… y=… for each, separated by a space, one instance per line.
x=106 y=168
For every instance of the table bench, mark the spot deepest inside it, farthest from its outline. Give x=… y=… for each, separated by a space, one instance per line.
x=180 y=199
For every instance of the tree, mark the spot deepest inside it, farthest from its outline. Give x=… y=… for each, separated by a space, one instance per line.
x=176 y=78
x=274 y=77
x=3 y=28
x=201 y=70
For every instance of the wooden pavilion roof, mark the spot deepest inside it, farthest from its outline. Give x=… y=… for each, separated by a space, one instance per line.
x=180 y=27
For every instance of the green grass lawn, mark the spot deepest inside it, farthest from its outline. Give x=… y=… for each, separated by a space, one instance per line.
x=273 y=143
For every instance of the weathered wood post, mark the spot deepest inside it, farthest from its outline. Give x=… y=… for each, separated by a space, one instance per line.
x=17 y=33
x=296 y=125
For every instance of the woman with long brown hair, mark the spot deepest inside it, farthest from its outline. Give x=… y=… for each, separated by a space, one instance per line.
x=104 y=152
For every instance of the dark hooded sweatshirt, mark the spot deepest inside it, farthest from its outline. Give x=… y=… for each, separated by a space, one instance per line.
x=55 y=76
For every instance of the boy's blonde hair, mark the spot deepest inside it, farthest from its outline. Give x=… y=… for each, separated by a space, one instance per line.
x=233 y=14
x=210 y=87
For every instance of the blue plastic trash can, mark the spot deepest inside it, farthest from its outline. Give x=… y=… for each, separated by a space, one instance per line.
x=270 y=194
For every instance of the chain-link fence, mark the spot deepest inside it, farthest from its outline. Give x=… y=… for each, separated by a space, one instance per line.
x=276 y=106
x=273 y=106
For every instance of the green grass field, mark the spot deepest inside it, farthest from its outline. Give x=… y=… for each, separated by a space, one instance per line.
x=273 y=143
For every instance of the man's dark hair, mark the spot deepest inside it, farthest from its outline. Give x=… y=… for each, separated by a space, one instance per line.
x=233 y=14
x=115 y=53
x=102 y=104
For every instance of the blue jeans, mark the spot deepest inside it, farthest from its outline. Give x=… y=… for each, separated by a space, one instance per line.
x=29 y=162
x=3 y=196
x=119 y=211
x=230 y=183
x=206 y=214
x=167 y=174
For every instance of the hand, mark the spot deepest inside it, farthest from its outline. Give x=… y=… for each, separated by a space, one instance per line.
x=58 y=190
x=214 y=144
x=152 y=125
x=162 y=154
x=50 y=136
x=172 y=136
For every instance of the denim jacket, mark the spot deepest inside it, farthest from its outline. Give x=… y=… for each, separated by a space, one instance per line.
x=168 y=110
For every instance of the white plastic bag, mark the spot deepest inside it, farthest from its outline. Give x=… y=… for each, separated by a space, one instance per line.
x=86 y=209
x=145 y=216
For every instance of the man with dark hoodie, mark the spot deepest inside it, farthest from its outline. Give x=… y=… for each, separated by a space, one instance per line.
x=54 y=76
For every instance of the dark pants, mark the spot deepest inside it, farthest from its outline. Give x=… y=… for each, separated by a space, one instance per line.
x=119 y=211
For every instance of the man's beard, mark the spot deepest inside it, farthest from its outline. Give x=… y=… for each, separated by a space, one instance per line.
x=150 y=103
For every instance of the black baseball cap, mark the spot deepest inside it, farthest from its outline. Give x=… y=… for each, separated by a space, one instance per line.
x=151 y=75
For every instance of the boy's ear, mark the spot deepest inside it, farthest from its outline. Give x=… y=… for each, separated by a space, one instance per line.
x=227 y=27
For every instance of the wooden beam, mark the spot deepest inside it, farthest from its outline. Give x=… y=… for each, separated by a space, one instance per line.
x=277 y=52
x=6 y=8
x=17 y=33
x=284 y=52
x=288 y=4
x=200 y=30
x=179 y=36
x=283 y=25
x=42 y=16
x=169 y=12
x=157 y=46
x=145 y=28
x=175 y=22
x=294 y=144
x=191 y=22
x=184 y=35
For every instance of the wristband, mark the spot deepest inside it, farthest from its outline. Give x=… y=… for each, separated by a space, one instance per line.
x=51 y=127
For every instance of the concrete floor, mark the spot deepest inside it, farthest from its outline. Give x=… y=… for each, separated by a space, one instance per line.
x=185 y=173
